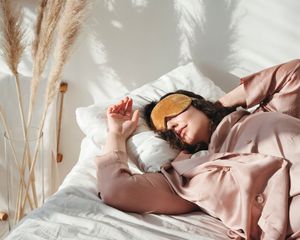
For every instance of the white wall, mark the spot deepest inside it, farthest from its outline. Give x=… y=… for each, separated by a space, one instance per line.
x=126 y=43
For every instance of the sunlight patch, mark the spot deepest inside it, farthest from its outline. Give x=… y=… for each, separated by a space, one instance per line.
x=140 y=3
x=189 y=15
x=110 y=5
x=117 y=24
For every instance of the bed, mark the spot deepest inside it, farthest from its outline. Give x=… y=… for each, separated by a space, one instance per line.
x=76 y=212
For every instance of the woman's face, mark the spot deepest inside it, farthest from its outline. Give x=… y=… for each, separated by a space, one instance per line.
x=192 y=126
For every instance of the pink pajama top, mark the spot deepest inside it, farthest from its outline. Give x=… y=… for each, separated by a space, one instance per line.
x=250 y=178
x=251 y=174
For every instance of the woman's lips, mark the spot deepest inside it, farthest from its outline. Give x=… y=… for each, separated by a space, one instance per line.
x=181 y=132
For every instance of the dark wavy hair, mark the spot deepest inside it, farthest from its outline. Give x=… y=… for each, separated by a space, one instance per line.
x=214 y=111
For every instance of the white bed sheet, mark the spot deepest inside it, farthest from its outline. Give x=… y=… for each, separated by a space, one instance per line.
x=75 y=212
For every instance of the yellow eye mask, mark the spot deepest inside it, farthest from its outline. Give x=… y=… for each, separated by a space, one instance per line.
x=170 y=106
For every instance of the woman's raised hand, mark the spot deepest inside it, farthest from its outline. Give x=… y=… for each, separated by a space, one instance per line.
x=121 y=120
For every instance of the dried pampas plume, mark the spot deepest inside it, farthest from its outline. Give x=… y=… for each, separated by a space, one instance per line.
x=38 y=25
x=68 y=30
x=12 y=37
x=13 y=48
x=45 y=28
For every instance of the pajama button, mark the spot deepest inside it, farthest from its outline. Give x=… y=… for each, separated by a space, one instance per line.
x=259 y=198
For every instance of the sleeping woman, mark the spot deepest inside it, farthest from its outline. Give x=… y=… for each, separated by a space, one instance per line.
x=249 y=178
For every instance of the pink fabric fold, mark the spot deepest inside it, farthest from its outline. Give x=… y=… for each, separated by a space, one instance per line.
x=252 y=172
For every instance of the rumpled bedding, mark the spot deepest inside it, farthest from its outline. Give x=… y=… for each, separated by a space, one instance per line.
x=75 y=212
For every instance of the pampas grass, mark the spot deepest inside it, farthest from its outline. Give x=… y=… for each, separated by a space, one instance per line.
x=38 y=25
x=46 y=24
x=68 y=30
x=13 y=48
x=48 y=17
x=13 y=36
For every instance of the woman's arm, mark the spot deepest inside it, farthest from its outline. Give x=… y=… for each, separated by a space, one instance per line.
x=234 y=98
x=275 y=89
x=118 y=186
x=121 y=124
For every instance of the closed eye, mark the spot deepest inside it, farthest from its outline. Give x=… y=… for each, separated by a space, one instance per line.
x=167 y=119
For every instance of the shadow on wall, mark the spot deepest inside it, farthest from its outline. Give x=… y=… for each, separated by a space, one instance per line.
x=123 y=45
x=213 y=45
x=139 y=37
x=131 y=42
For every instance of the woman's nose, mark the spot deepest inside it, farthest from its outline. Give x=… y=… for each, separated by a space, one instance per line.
x=171 y=124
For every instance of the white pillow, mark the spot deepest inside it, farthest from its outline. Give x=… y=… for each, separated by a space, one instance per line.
x=144 y=147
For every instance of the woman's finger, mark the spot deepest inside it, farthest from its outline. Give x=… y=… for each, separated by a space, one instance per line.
x=135 y=117
x=111 y=108
x=120 y=106
x=128 y=108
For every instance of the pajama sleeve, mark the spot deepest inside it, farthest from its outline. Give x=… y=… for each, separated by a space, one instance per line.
x=140 y=193
x=275 y=89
